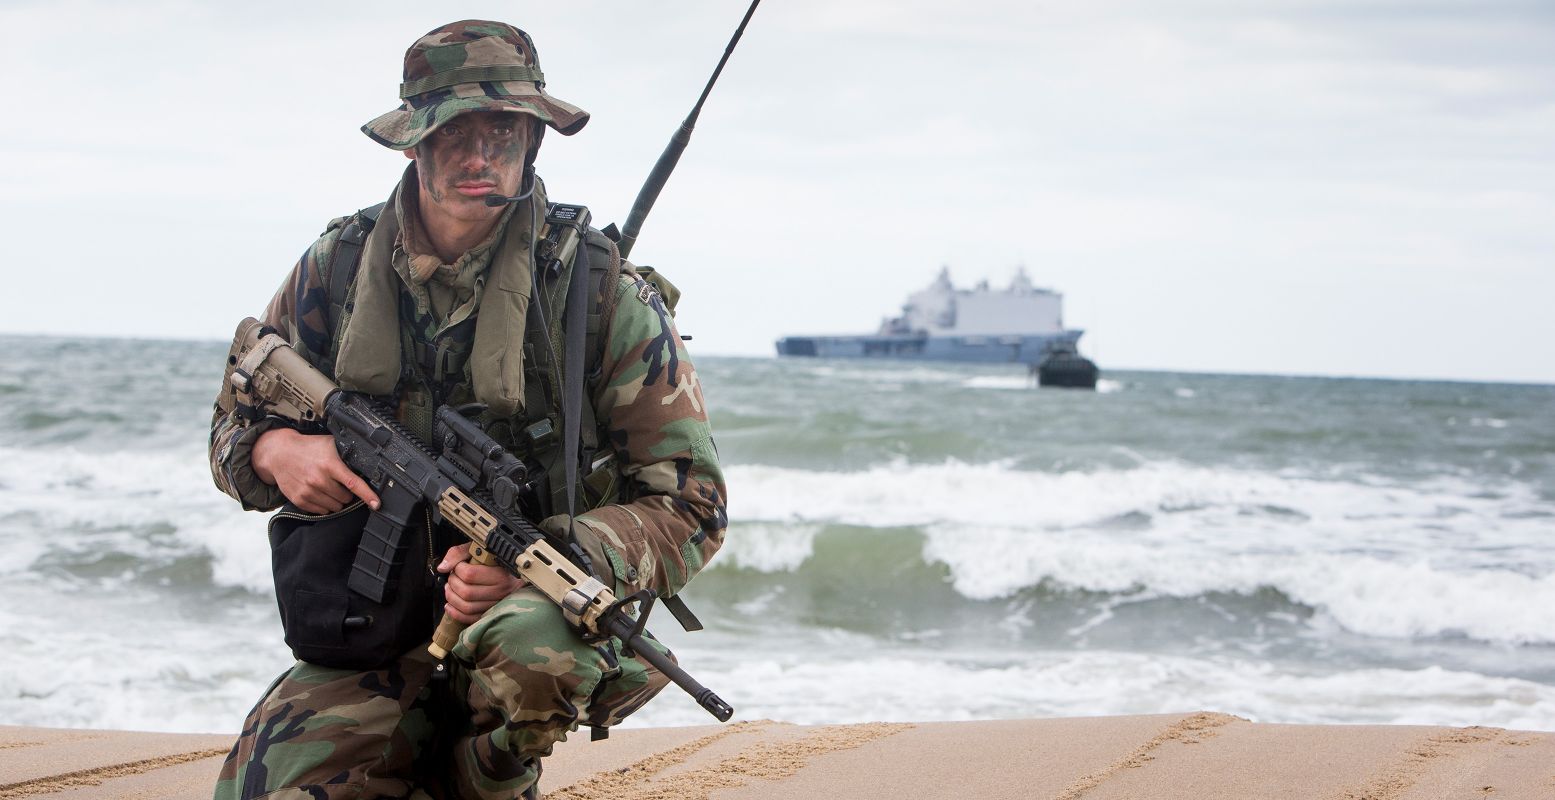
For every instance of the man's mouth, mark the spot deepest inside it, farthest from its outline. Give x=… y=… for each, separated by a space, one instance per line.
x=475 y=188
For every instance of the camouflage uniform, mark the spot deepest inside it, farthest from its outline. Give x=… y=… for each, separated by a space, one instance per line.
x=521 y=679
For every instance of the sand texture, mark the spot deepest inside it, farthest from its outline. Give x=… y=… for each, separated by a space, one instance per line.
x=1202 y=756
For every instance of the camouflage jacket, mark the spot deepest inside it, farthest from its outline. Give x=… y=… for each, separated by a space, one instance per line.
x=647 y=401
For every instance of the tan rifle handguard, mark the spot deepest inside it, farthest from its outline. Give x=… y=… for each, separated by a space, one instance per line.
x=582 y=597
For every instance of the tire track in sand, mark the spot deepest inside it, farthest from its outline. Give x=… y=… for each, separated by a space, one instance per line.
x=1397 y=779
x=765 y=761
x=1193 y=729
x=98 y=775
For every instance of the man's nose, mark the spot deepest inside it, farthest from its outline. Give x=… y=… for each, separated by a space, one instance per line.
x=474 y=157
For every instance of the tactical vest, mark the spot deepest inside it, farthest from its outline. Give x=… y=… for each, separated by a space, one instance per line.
x=435 y=369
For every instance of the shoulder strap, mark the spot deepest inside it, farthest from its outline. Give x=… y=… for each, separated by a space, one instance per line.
x=604 y=262
x=348 y=255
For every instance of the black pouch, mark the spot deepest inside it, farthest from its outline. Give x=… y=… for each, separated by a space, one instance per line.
x=330 y=625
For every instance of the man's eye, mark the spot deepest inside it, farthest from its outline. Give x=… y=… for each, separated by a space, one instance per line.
x=502 y=130
x=449 y=131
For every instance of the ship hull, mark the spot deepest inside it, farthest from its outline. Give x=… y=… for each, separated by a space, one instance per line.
x=1027 y=349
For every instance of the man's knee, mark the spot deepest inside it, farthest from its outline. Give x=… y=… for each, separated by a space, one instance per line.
x=524 y=657
x=635 y=684
x=527 y=678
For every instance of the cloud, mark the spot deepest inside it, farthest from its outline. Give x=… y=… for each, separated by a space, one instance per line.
x=1276 y=187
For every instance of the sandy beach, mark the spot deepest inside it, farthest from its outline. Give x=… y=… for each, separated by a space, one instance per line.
x=1205 y=756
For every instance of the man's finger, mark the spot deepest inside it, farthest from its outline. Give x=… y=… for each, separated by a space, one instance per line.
x=457 y=602
x=484 y=574
x=336 y=492
x=354 y=482
x=456 y=555
x=458 y=610
x=488 y=592
x=476 y=575
x=314 y=503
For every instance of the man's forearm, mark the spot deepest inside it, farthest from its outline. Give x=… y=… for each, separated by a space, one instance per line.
x=658 y=541
x=231 y=457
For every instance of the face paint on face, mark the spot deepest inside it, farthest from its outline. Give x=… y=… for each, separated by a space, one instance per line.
x=472 y=156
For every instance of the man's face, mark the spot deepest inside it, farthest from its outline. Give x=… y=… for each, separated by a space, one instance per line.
x=470 y=156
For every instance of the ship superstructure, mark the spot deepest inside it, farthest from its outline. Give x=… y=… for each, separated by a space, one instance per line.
x=1021 y=323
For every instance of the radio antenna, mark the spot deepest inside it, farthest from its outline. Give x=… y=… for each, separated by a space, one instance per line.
x=671 y=155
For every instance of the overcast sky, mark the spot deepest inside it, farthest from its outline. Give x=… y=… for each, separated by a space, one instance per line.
x=1345 y=187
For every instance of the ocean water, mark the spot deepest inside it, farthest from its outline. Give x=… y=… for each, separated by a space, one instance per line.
x=909 y=542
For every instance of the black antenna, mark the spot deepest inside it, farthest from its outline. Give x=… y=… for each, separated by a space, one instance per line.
x=671 y=155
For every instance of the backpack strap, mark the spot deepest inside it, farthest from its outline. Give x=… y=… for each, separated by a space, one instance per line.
x=604 y=260
x=348 y=256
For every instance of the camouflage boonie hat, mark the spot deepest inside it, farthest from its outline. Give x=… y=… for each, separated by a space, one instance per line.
x=472 y=65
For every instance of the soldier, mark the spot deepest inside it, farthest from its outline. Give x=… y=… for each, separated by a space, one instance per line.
x=441 y=304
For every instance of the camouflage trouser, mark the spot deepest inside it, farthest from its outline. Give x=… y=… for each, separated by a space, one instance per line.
x=522 y=679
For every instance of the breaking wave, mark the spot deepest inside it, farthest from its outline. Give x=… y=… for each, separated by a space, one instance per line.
x=1447 y=558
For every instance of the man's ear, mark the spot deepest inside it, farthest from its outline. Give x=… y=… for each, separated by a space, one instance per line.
x=536 y=135
x=410 y=153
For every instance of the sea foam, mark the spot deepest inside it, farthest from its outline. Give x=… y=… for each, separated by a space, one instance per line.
x=858 y=682
x=1440 y=558
x=110 y=500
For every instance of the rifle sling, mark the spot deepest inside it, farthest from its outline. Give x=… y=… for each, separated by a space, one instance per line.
x=576 y=331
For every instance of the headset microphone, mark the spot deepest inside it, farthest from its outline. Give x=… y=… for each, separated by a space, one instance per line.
x=502 y=200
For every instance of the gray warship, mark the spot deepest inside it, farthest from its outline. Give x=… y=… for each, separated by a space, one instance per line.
x=1020 y=324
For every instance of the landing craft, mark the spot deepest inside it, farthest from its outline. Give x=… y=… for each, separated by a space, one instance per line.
x=1021 y=324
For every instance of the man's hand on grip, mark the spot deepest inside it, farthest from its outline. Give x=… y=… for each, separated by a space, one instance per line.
x=308 y=470
x=473 y=588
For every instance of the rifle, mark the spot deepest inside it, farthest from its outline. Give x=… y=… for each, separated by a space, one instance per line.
x=473 y=485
